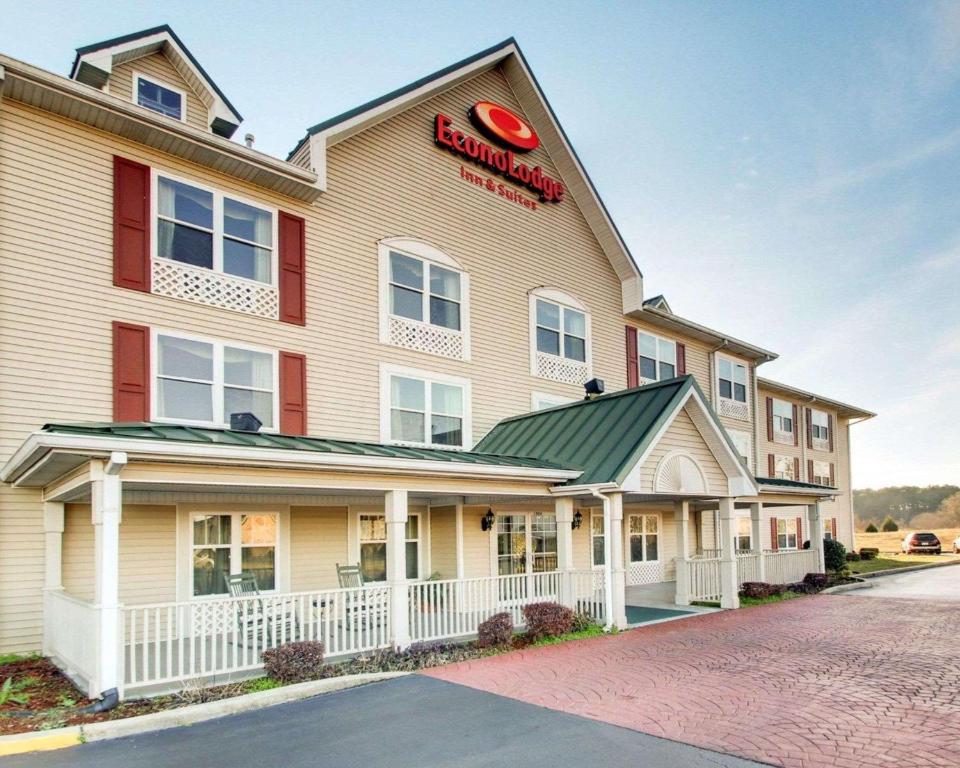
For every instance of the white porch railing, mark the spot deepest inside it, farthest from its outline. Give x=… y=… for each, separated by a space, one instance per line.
x=702 y=578
x=170 y=642
x=71 y=634
x=748 y=566
x=789 y=567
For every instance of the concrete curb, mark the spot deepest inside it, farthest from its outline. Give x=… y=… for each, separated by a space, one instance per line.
x=907 y=569
x=861 y=584
x=58 y=738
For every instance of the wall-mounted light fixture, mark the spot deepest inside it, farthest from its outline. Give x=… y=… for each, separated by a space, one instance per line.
x=486 y=522
x=577 y=520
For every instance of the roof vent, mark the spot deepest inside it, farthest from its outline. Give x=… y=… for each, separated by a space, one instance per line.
x=248 y=140
x=245 y=422
x=593 y=388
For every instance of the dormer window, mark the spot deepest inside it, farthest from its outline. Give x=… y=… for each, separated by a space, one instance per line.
x=168 y=101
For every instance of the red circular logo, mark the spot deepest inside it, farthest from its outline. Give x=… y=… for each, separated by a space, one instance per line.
x=504 y=125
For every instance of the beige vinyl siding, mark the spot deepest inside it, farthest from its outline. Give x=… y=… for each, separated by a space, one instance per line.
x=318 y=541
x=78 y=551
x=443 y=542
x=581 y=541
x=476 y=544
x=683 y=435
x=781 y=449
x=21 y=563
x=697 y=353
x=157 y=67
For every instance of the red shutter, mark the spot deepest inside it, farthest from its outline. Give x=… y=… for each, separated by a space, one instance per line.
x=770 y=420
x=293 y=394
x=131 y=372
x=796 y=425
x=681 y=359
x=799 y=533
x=773 y=534
x=633 y=364
x=833 y=481
x=833 y=528
x=796 y=468
x=292 y=248
x=809 y=470
x=809 y=417
x=131 y=224
x=771 y=465
x=830 y=430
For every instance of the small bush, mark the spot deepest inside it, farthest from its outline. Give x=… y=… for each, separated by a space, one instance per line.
x=582 y=622
x=871 y=528
x=869 y=553
x=497 y=630
x=760 y=589
x=834 y=554
x=547 y=620
x=852 y=557
x=294 y=662
x=889 y=525
x=816 y=580
x=802 y=588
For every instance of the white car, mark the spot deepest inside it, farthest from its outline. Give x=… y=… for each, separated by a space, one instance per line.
x=956 y=546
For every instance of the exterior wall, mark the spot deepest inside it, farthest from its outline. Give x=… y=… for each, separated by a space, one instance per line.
x=157 y=67
x=443 y=542
x=318 y=541
x=476 y=544
x=684 y=435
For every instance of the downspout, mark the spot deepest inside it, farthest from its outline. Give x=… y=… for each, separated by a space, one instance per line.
x=109 y=700
x=607 y=559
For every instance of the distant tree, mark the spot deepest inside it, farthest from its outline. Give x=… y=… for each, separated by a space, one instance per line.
x=889 y=525
x=871 y=528
x=950 y=509
x=900 y=502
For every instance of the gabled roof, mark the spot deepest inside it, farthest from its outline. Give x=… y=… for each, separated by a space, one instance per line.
x=658 y=302
x=843 y=409
x=94 y=63
x=507 y=55
x=607 y=436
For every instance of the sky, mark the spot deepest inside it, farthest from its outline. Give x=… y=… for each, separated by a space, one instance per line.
x=783 y=172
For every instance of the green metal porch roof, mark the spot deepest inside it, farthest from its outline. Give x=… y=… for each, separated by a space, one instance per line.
x=604 y=436
x=148 y=431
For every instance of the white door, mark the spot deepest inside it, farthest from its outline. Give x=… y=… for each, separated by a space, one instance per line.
x=644 y=565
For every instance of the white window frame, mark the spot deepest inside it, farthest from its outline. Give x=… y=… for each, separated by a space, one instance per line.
x=644 y=534
x=781 y=435
x=789 y=525
x=218 y=231
x=642 y=379
x=138 y=76
x=564 y=301
x=734 y=362
x=738 y=534
x=529 y=517
x=387 y=371
x=744 y=435
x=422 y=540
x=821 y=472
x=428 y=254
x=820 y=443
x=218 y=378
x=827 y=524
x=781 y=474
x=594 y=515
x=541 y=400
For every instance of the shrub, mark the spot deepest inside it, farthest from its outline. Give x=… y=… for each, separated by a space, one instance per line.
x=760 y=589
x=497 y=630
x=294 y=662
x=871 y=528
x=583 y=621
x=852 y=557
x=547 y=620
x=834 y=554
x=889 y=525
x=868 y=553
x=802 y=588
x=816 y=580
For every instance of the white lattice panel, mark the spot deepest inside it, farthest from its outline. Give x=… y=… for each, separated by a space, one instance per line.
x=560 y=369
x=212 y=617
x=647 y=572
x=821 y=445
x=205 y=286
x=424 y=337
x=734 y=409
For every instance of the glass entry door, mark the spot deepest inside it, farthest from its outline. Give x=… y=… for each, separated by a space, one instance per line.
x=511 y=544
x=643 y=547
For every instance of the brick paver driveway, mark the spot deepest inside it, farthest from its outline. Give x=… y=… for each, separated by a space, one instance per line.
x=832 y=680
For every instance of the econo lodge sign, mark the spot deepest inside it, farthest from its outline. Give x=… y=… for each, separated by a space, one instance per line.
x=508 y=129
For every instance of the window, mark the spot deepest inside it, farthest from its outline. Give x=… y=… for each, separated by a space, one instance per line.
x=561 y=331
x=233 y=543
x=784 y=468
x=644 y=532
x=657 y=357
x=597 y=555
x=732 y=380
x=543 y=535
x=160 y=98
x=821 y=473
x=786 y=533
x=827 y=528
x=742 y=442
x=422 y=410
x=373 y=547
x=540 y=400
x=783 y=425
x=743 y=541
x=522 y=535
x=203 y=382
x=207 y=229
x=820 y=430
x=422 y=291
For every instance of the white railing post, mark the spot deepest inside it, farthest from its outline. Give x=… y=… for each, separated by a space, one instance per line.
x=395 y=506
x=681 y=514
x=816 y=534
x=729 y=591
x=107 y=505
x=564 y=515
x=756 y=531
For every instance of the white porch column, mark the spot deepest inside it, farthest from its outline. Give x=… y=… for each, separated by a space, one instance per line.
x=53 y=558
x=459 y=533
x=618 y=574
x=681 y=518
x=395 y=513
x=756 y=532
x=106 y=497
x=563 y=507
x=729 y=597
x=816 y=534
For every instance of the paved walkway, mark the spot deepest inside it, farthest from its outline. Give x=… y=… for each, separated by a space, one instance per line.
x=936 y=584
x=831 y=680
